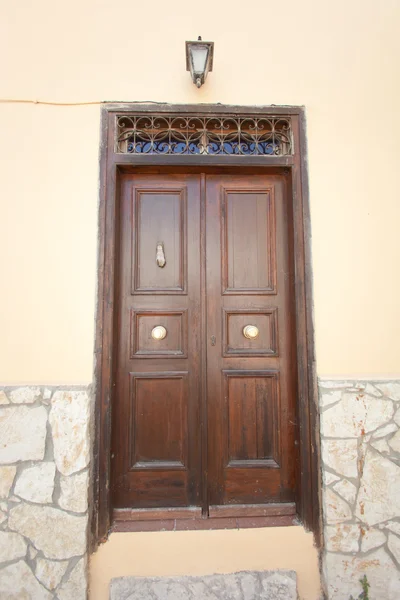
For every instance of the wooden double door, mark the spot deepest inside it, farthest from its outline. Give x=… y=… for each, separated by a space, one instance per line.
x=204 y=403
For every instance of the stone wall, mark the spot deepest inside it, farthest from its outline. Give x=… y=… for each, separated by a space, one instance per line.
x=360 y=430
x=44 y=477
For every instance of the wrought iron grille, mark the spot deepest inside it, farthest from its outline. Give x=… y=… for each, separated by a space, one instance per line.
x=210 y=134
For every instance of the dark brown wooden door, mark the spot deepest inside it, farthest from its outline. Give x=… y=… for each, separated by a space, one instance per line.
x=250 y=381
x=203 y=417
x=156 y=440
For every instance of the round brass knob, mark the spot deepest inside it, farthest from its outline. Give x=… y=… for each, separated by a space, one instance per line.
x=250 y=332
x=158 y=333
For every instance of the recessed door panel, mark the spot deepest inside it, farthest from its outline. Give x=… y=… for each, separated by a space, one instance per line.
x=158 y=420
x=146 y=344
x=256 y=486
x=265 y=342
x=248 y=241
x=160 y=241
x=253 y=418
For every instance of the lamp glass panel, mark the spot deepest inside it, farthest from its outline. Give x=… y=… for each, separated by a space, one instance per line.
x=199 y=58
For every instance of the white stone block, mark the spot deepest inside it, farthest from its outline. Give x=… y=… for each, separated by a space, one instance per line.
x=47 y=393
x=356 y=415
x=372 y=538
x=371 y=390
x=347 y=490
x=7 y=475
x=69 y=419
x=75 y=588
x=396 y=417
x=25 y=395
x=329 y=477
x=74 y=492
x=3 y=398
x=341 y=456
x=336 y=510
x=55 y=532
x=22 y=433
x=390 y=389
x=329 y=398
x=392 y=526
x=394 y=546
x=344 y=573
x=342 y=537
x=334 y=383
x=36 y=483
x=50 y=572
x=378 y=498
x=394 y=442
x=12 y=546
x=381 y=445
x=18 y=582
x=384 y=431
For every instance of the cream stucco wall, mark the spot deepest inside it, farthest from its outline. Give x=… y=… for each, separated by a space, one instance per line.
x=338 y=59
x=203 y=552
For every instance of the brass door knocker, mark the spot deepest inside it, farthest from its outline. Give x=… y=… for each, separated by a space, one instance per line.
x=160 y=256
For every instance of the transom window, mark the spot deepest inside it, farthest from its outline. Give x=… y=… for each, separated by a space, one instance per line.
x=211 y=134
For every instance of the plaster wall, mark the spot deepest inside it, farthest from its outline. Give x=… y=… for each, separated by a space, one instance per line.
x=169 y=553
x=338 y=60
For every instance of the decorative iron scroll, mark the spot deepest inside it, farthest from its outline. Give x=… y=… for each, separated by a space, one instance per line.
x=210 y=134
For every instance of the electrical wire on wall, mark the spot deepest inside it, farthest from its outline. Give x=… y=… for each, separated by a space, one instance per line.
x=48 y=103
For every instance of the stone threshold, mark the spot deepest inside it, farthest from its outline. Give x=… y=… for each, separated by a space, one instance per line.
x=251 y=585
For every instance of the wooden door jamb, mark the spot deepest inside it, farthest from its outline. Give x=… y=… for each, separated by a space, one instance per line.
x=308 y=501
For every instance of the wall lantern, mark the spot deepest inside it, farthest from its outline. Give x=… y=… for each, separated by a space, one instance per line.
x=199 y=60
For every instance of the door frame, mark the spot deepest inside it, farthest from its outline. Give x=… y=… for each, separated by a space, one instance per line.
x=308 y=494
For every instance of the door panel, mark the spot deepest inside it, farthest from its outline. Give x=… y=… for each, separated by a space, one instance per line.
x=174 y=345
x=158 y=429
x=249 y=381
x=236 y=344
x=248 y=240
x=253 y=418
x=162 y=211
x=156 y=440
